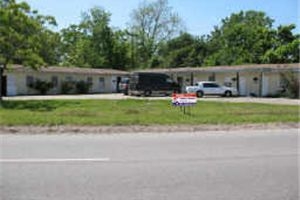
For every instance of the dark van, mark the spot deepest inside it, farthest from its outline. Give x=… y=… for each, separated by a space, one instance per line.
x=147 y=84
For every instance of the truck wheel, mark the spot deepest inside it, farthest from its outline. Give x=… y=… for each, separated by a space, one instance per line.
x=147 y=93
x=199 y=94
x=228 y=94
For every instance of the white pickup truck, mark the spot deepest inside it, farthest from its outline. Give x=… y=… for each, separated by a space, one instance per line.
x=211 y=88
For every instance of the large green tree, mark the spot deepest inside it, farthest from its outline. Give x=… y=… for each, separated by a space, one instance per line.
x=22 y=35
x=185 y=50
x=152 y=24
x=93 y=43
x=242 y=38
x=285 y=47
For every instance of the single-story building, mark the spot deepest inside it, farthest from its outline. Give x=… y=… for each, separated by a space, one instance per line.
x=19 y=80
x=250 y=80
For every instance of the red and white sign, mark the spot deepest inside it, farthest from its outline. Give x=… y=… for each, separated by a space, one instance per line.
x=187 y=99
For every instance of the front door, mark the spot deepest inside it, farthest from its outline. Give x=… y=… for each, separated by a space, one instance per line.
x=101 y=85
x=242 y=86
x=265 y=86
x=11 y=86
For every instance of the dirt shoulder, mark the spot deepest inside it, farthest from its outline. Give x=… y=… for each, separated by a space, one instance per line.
x=140 y=129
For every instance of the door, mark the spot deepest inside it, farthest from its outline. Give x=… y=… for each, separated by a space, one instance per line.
x=265 y=86
x=113 y=84
x=242 y=86
x=101 y=84
x=11 y=86
x=211 y=88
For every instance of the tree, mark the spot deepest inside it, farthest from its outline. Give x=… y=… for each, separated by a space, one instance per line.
x=50 y=47
x=285 y=46
x=75 y=47
x=95 y=23
x=93 y=43
x=20 y=41
x=184 y=51
x=152 y=24
x=242 y=38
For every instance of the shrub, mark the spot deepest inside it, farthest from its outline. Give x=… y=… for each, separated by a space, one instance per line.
x=290 y=85
x=67 y=87
x=82 y=87
x=42 y=86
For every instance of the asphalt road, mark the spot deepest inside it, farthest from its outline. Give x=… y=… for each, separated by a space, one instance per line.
x=236 y=165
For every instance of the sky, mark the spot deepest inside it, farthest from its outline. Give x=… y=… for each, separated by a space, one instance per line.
x=199 y=16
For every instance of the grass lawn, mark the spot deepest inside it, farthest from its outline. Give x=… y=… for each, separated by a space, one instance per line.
x=139 y=112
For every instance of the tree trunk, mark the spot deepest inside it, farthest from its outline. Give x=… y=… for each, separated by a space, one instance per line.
x=2 y=68
x=1 y=78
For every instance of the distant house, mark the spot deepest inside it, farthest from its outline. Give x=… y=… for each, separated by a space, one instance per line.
x=19 y=80
x=250 y=80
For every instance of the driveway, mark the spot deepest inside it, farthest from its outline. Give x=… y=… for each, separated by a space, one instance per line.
x=121 y=96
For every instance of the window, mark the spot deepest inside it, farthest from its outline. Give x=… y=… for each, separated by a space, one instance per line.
x=29 y=81
x=210 y=85
x=69 y=78
x=54 y=81
x=212 y=77
x=228 y=84
x=102 y=82
x=90 y=80
x=169 y=80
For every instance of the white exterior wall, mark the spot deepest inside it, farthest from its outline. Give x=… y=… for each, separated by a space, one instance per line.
x=250 y=83
x=16 y=82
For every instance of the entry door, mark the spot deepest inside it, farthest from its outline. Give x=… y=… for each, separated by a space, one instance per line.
x=242 y=86
x=101 y=84
x=11 y=86
x=113 y=84
x=265 y=86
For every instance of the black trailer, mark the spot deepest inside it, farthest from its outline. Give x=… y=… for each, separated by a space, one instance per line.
x=147 y=84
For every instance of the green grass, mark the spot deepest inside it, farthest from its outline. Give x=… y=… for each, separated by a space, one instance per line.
x=139 y=112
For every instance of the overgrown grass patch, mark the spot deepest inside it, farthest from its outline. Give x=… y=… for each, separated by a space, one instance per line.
x=139 y=112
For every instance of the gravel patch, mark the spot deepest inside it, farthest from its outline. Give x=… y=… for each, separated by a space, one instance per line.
x=140 y=129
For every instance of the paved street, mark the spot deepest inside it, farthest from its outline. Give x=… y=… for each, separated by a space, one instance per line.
x=214 y=165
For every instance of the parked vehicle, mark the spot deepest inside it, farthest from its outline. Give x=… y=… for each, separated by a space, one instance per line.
x=211 y=88
x=124 y=85
x=147 y=84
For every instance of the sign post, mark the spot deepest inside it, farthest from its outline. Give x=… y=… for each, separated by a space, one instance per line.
x=184 y=101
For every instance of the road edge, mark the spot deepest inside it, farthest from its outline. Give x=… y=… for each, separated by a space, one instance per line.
x=141 y=128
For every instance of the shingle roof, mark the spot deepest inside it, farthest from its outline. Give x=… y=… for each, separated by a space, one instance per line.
x=71 y=70
x=254 y=67
x=237 y=68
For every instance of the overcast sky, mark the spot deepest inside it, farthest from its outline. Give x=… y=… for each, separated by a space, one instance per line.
x=200 y=16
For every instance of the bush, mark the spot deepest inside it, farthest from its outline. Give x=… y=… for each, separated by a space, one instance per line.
x=82 y=87
x=67 y=87
x=290 y=85
x=42 y=86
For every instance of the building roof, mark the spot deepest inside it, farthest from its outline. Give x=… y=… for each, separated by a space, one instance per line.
x=96 y=71
x=237 y=68
x=69 y=70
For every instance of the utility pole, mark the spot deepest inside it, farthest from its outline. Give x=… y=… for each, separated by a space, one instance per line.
x=132 y=39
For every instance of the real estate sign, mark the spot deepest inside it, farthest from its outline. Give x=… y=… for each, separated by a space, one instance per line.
x=188 y=99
